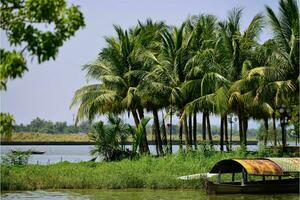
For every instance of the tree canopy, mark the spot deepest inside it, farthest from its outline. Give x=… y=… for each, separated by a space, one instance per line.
x=203 y=66
x=34 y=28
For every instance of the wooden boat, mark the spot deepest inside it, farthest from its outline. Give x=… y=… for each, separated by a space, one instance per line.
x=284 y=173
x=30 y=151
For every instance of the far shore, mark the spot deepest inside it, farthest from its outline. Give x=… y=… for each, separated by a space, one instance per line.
x=91 y=143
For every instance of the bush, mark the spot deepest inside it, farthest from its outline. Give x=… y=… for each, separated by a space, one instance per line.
x=16 y=158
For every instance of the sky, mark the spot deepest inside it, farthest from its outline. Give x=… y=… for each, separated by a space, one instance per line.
x=46 y=90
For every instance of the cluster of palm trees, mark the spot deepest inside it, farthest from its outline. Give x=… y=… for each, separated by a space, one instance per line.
x=205 y=65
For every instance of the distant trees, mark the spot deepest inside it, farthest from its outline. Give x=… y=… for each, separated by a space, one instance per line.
x=39 y=125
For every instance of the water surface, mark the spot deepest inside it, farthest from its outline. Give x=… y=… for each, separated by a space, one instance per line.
x=73 y=153
x=136 y=194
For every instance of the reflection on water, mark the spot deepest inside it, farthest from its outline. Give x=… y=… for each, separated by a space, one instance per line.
x=134 y=194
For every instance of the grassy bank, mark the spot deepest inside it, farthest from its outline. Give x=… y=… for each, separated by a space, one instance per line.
x=82 y=137
x=146 y=172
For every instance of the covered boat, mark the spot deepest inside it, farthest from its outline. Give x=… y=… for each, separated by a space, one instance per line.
x=270 y=175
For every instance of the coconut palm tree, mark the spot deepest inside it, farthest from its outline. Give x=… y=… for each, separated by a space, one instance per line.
x=279 y=70
x=168 y=72
x=116 y=91
x=236 y=47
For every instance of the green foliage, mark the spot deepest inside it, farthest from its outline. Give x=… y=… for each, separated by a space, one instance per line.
x=108 y=139
x=6 y=125
x=138 y=134
x=146 y=172
x=262 y=132
x=21 y=21
x=16 y=158
x=206 y=149
x=38 y=125
x=12 y=65
x=204 y=65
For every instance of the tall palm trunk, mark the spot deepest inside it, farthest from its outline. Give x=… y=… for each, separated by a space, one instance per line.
x=266 y=124
x=142 y=147
x=245 y=129
x=209 y=130
x=135 y=117
x=170 y=140
x=203 y=126
x=180 y=134
x=226 y=133
x=190 y=130
x=186 y=132
x=195 y=129
x=163 y=129
x=222 y=134
x=241 y=130
x=155 y=139
x=157 y=131
x=144 y=143
x=274 y=129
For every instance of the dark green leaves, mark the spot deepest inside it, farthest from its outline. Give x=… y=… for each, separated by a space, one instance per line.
x=12 y=66
x=23 y=23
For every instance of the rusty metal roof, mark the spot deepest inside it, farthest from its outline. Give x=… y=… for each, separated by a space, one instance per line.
x=260 y=167
x=288 y=165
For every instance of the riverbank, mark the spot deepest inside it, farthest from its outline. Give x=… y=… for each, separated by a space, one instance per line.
x=83 y=138
x=146 y=172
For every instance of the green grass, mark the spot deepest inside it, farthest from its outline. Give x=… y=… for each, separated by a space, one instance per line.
x=146 y=172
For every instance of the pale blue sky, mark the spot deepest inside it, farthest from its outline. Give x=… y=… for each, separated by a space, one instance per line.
x=46 y=90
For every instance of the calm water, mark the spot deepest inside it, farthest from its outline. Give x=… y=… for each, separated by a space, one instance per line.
x=75 y=153
x=71 y=153
x=136 y=195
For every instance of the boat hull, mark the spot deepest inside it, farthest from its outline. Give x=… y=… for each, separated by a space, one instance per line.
x=270 y=186
x=31 y=152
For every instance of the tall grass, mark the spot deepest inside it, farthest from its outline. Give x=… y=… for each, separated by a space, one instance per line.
x=146 y=172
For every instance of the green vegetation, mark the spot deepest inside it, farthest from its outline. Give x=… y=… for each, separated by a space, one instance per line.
x=203 y=66
x=19 y=19
x=146 y=172
x=108 y=139
x=16 y=158
x=39 y=125
x=6 y=125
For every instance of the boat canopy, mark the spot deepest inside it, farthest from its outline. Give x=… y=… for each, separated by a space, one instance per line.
x=288 y=165
x=260 y=166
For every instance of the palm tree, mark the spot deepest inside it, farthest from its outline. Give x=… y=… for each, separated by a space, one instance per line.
x=285 y=28
x=279 y=61
x=108 y=138
x=168 y=72
x=236 y=47
x=117 y=89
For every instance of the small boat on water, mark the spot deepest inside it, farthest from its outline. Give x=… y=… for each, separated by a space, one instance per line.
x=277 y=175
x=30 y=152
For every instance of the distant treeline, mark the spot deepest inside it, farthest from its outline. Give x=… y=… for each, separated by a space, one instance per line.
x=39 y=125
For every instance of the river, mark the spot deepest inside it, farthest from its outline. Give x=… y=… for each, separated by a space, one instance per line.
x=137 y=194
x=73 y=153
